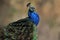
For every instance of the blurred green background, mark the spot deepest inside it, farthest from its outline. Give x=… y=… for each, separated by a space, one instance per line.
x=48 y=10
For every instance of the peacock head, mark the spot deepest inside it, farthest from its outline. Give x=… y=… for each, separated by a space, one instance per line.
x=31 y=8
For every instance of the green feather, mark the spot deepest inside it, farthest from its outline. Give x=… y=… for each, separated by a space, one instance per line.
x=35 y=33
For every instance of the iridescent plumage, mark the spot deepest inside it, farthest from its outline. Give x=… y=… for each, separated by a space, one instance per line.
x=33 y=16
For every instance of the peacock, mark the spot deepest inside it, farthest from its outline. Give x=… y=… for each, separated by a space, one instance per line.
x=23 y=29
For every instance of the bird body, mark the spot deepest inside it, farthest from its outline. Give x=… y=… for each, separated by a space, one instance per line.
x=23 y=29
x=19 y=30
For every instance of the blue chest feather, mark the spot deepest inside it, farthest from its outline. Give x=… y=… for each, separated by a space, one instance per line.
x=34 y=17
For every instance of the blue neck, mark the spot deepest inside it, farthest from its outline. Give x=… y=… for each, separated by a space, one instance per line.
x=34 y=17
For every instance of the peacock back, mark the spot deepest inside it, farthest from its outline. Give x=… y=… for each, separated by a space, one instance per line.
x=23 y=29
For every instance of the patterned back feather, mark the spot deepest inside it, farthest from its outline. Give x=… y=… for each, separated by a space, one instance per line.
x=22 y=29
